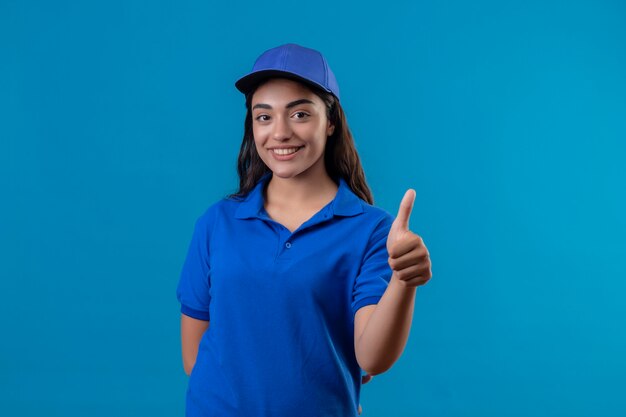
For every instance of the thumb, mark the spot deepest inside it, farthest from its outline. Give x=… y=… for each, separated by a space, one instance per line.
x=404 y=212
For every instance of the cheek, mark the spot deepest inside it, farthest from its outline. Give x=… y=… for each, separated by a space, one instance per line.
x=315 y=136
x=259 y=131
x=261 y=152
x=321 y=141
x=259 y=139
x=255 y=134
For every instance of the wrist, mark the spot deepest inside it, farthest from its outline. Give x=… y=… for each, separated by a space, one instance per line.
x=399 y=284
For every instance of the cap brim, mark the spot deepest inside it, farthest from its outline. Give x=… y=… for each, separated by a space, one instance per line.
x=248 y=82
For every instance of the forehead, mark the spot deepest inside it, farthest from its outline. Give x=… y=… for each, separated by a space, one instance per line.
x=281 y=90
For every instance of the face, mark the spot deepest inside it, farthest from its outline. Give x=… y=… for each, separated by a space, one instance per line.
x=288 y=117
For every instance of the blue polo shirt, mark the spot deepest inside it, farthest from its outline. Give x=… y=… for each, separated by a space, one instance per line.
x=281 y=305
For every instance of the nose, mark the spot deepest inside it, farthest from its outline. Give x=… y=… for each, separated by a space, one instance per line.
x=281 y=129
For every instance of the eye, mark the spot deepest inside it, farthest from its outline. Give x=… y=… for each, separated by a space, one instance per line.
x=304 y=114
x=259 y=118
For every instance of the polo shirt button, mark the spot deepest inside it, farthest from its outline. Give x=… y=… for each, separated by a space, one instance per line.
x=288 y=245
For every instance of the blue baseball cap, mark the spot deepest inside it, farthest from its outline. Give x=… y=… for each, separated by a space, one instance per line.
x=291 y=61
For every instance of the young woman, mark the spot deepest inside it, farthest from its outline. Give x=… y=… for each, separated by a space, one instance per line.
x=305 y=283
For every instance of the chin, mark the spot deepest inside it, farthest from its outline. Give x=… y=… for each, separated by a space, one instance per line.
x=284 y=173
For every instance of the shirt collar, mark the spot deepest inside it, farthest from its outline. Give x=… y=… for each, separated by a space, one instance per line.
x=345 y=203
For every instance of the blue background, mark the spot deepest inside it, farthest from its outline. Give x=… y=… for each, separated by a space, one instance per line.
x=120 y=124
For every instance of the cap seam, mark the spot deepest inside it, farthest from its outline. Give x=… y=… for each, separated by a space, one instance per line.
x=325 y=71
x=284 y=58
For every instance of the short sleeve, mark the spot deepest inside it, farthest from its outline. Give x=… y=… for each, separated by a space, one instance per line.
x=194 y=282
x=375 y=272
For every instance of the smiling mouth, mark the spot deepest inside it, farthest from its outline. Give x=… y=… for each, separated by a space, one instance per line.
x=287 y=151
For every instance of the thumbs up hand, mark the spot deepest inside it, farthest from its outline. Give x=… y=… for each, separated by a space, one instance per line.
x=408 y=257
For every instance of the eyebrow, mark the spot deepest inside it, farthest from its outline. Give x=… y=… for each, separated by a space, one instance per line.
x=289 y=105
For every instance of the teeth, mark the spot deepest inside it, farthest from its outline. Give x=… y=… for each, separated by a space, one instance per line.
x=285 y=151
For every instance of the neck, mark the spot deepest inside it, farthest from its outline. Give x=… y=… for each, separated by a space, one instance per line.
x=299 y=190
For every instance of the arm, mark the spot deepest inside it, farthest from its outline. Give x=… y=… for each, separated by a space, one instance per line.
x=191 y=331
x=381 y=331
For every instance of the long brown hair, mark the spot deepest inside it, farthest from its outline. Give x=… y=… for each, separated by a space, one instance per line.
x=340 y=156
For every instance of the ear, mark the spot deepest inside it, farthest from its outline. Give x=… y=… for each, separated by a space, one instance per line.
x=330 y=129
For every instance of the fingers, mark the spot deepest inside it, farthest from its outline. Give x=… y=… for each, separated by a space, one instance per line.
x=419 y=280
x=404 y=212
x=415 y=272
x=413 y=257
x=405 y=245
